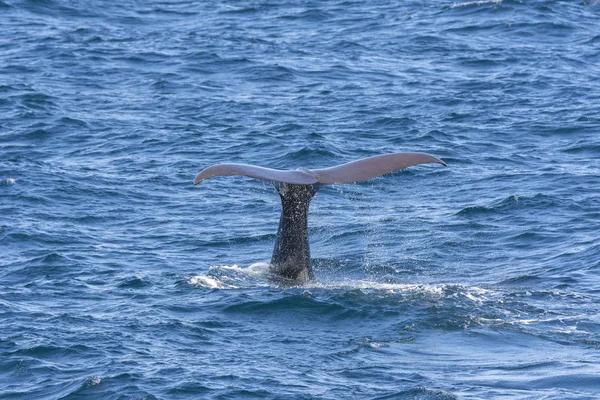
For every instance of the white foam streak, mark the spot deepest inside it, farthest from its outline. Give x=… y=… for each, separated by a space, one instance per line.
x=434 y=291
x=476 y=3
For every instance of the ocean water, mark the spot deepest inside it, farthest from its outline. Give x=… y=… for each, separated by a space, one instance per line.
x=121 y=280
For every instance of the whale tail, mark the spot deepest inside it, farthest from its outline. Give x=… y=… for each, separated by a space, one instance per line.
x=290 y=262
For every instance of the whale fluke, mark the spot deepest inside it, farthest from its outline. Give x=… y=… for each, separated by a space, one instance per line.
x=290 y=262
x=351 y=172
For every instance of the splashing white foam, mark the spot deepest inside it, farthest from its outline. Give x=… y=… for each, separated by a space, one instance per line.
x=257 y=269
x=233 y=277
x=10 y=181
x=257 y=275
x=209 y=283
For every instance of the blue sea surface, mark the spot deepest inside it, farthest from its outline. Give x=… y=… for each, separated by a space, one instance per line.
x=119 y=279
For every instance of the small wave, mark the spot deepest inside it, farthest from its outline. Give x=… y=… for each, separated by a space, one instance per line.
x=389 y=122
x=512 y=203
x=569 y=381
x=72 y=122
x=309 y=15
x=134 y=282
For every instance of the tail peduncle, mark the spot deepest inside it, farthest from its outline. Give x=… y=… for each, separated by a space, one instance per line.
x=290 y=262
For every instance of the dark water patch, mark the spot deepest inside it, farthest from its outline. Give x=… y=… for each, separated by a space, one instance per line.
x=38 y=134
x=554 y=29
x=514 y=203
x=166 y=85
x=188 y=388
x=585 y=148
x=134 y=283
x=289 y=128
x=52 y=258
x=454 y=116
x=346 y=44
x=296 y=302
x=532 y=238
x=72 y=122
x=11 y=69
x=474 y=29
x=268 y=73
x=562 y=130
x=56 y=354
x=390 y=122
x=475 y=210
x=529 y=366
x=168 y=12
x=521 y=280
x=229 y=9
x=35 y=101
x=311 y=15
x=418 y=393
